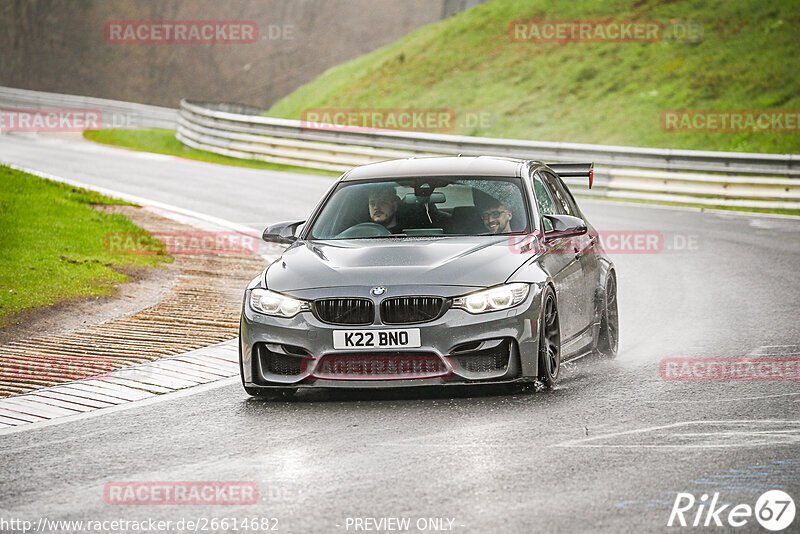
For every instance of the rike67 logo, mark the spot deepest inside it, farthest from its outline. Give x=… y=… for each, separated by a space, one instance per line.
x=774 y=510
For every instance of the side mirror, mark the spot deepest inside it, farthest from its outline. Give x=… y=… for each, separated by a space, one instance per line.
x=281 y=233
x=564 y=226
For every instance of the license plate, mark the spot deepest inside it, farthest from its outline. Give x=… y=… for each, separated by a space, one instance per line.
x=376 y=339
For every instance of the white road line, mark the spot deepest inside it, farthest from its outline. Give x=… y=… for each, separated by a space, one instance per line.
x=768 y=350
x=169 y=210
x=12 y=413
x=585 y=442
x=6 y=420
x=120 y=388
x=131 y=386
x=727 y=399
x=136 y=199
x=68 y=389
x=110 y=389
x=124 y=406
x=63 y=404
x=147 y=380
x=33 y=406
x=51 y=393
x=152 y=388
x=31 y=410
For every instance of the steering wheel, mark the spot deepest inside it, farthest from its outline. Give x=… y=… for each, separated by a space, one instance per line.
x=367 y=229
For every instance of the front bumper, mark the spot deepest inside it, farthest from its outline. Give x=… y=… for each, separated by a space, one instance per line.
x=456 y=348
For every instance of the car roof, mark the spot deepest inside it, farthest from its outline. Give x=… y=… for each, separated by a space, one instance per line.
x=437 y=166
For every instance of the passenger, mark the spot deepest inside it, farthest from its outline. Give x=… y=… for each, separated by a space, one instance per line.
x=383 y=206
x=496 y=217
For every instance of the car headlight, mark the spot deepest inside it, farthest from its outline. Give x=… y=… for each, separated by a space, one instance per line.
x=271 y=303
x=493 y=299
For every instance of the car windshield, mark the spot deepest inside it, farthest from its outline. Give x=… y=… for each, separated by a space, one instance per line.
x=423 y=207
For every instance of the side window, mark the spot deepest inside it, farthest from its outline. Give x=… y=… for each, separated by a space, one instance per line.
x=567 y=195
x=544 y=200
x=559 y=195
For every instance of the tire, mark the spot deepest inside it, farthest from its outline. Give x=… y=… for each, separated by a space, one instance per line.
x=608 y=337
x=549 y=340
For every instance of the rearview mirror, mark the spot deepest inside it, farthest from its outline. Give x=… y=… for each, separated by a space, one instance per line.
x=281 y=233
x=564 y=226
x=434 y=198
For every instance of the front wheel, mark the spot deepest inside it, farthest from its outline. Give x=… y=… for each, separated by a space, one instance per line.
x=608 y=338
x=549 y=340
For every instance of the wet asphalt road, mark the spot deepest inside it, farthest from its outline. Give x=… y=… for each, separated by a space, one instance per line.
x=606 y=451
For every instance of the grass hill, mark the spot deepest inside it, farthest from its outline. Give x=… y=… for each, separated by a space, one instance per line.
x=591 y=92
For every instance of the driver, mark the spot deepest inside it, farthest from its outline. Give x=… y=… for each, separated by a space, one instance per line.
x=496 y=217
x=383 y=205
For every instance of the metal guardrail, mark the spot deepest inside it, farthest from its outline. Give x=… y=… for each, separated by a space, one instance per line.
x=684 y=176
x=747 y=180
x=116 y=114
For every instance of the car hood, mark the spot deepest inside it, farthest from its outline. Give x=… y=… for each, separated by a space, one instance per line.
x=479 y=261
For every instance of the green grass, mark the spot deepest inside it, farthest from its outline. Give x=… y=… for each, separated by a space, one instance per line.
x=52 y=243
x=162 y=141
x=607 y=93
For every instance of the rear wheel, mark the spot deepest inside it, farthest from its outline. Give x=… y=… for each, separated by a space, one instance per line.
x=549 y=340
x=608 y=338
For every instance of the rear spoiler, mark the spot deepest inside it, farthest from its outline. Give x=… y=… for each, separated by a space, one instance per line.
x=574 y=169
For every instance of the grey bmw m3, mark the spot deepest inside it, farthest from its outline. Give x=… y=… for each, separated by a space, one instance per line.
x=431 y=271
